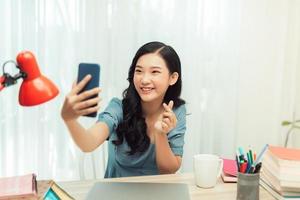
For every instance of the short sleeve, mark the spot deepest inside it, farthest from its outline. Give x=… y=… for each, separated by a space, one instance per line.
x=176 y=136
x=112 y=115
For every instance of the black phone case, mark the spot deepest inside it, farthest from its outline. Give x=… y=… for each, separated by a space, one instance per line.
x=94 y=70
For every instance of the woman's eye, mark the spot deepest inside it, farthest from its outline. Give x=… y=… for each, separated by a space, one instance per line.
x=156 y=72
x=138 y=70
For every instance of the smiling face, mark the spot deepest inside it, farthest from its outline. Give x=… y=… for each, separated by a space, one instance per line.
x=152 y=77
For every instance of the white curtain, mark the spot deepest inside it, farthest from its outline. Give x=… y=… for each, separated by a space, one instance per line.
x=238 y=60
x=291 y=75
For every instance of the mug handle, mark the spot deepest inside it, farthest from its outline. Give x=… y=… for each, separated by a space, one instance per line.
x=221 y=167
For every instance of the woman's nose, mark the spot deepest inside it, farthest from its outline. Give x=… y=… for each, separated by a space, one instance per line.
x=145 y=79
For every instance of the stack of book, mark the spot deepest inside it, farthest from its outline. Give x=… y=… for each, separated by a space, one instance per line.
x=281 y=172
x=26 y=187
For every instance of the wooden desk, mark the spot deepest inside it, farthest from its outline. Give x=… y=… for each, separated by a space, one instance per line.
x=79 y=189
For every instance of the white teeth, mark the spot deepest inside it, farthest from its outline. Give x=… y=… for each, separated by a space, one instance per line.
x=146 y=89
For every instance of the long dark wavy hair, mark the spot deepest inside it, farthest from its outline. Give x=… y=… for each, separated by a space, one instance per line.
x=133 y=127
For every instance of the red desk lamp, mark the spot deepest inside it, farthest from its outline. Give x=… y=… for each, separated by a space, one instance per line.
x=35 y=88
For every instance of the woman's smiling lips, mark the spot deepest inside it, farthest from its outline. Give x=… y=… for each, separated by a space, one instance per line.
x=146 y=90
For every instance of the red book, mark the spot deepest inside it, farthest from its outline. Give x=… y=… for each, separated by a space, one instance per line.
x=229 y=173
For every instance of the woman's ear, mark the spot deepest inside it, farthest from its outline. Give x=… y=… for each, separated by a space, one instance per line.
x=173 y=78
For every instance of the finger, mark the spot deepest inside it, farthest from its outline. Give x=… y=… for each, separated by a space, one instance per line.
x=88 y=93
x=74 y=84
x=167 y=108
x=167 y=121
x=164 y=126
x=81 y=84
x=71 y=93
x=168 y=114
x=172 y=117
x=89 y=110
x=171 y=104
x=88 y=103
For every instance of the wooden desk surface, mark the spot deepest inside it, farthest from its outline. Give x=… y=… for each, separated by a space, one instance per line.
x=79 y=189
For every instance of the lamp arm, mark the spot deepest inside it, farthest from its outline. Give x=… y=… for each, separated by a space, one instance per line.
x=19 y=75
x=7 y=80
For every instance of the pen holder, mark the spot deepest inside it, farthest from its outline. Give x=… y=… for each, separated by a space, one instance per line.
x=248 y=186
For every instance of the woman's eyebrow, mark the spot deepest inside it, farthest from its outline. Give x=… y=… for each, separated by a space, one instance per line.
x=151 y=67
x=155 y=67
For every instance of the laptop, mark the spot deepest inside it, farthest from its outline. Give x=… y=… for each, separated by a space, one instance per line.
x=138 y=191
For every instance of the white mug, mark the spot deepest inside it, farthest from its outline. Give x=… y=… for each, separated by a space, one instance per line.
x=207 y=170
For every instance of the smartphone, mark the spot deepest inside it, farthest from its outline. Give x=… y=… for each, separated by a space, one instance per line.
x=94 y=70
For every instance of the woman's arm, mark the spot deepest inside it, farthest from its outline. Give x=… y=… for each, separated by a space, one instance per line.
x=88 y=139
x=76 y=105
x=167 y=161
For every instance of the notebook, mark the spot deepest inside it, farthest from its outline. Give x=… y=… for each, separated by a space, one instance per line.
x=229 y=173
x=55 y=192
x=138 y=191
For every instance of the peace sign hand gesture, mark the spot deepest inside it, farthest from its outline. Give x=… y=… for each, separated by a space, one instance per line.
x=167 y=120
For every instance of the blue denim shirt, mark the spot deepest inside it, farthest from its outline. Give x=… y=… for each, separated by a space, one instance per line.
x=120 y=164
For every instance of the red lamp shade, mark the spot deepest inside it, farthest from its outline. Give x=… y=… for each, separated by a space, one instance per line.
x=35 y=88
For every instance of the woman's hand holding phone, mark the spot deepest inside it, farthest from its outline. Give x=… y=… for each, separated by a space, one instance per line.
x=77 y=104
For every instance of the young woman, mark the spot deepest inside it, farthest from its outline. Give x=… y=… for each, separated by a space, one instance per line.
x=145 y=130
